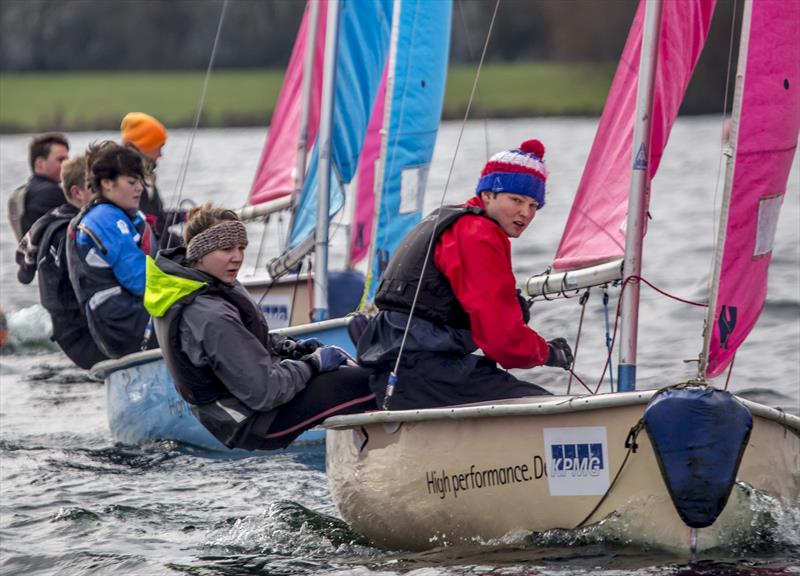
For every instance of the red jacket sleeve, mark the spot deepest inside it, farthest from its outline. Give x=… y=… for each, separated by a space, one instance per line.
x=475 y=255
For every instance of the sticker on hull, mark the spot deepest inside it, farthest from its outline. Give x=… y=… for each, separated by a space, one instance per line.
x=577 y=460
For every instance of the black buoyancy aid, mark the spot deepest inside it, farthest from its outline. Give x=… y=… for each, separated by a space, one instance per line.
x=199 y=385
x=436 y=301
x=47 y=242
x=221 y=413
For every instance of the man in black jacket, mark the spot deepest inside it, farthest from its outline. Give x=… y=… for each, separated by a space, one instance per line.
x=43 y=249
x=42 y=192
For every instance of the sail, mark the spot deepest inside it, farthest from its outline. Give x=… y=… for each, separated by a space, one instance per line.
x=767 y=138
x=365 y=189
x=275 y=174
x=363 y=45
x=595 y=229
x=415 y=96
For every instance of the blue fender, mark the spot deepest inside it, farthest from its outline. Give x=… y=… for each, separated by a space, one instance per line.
x=698 y=434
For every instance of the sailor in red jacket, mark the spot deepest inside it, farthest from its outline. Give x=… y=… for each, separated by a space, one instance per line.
x=467 y=298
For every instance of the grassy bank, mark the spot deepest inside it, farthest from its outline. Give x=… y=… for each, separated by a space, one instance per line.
x=89 y=101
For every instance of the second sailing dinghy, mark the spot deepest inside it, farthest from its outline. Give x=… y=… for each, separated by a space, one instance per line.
x=382 y=114
x=677 y=467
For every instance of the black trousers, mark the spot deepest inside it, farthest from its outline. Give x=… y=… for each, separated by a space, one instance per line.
x=342 y=391
x=431 y=380
x=81 y=349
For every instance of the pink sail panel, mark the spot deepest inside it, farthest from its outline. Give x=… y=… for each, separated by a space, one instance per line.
x=365 y=193
x=595 y=229
x=275 y=174
x=767 y=139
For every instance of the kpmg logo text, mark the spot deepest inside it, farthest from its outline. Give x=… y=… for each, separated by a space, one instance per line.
x=576 y=460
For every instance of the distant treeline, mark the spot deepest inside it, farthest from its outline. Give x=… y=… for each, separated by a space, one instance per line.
x=153 y=35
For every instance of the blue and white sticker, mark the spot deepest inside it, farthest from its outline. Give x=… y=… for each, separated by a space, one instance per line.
x=577 y=460
x=277 y=310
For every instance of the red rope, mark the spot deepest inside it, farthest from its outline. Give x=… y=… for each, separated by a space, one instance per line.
x=582 y=383
x=616 y=318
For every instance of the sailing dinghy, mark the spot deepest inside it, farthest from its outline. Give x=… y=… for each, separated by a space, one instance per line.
x=677 y=467
x=392 y=116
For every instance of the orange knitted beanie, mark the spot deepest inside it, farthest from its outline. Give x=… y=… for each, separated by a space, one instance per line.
x=143 y=131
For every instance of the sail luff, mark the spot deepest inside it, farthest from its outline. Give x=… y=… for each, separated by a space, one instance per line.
x=639 y=197
x=730 y=163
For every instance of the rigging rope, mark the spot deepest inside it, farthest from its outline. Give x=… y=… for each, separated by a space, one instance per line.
x=393 y=376
x=196 y=122
x=616 y=318
x=608 y=335
x=584 y=299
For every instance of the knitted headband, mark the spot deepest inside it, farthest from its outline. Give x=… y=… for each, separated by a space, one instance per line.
x=226 y=234
x=143 y=131
x=520 y=171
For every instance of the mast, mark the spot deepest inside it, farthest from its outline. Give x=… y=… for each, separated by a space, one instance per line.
x=305 y=103
x=639 y=196
x=730 y=162
x=320 y=308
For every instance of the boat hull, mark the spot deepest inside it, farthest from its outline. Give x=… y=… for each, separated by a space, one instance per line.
x=457 y=478
x=144 y=406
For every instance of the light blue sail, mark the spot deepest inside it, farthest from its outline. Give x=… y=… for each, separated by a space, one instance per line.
x=420 y=72
x=363 y=46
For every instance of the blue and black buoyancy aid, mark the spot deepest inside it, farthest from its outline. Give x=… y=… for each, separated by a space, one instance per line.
x=117 y=318
x=436 y=301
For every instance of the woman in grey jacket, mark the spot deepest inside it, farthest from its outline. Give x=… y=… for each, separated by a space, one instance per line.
x=252 y=390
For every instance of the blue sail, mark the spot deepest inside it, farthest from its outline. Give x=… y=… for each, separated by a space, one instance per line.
x=420 y=72
x=363 y=46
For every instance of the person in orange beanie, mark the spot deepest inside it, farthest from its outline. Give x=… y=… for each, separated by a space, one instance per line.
x=149 y=135
x=145 y=132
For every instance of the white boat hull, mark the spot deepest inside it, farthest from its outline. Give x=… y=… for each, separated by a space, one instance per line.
x=421 y=479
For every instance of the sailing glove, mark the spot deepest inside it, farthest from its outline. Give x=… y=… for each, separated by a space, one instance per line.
x=525 y=306
x=295 y=349
x=559 y=354
x=307 y=346
x=327 y=358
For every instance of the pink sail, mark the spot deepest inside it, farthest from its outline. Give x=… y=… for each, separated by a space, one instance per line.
x=274 y=176
x=765 y=147
x=595 y=230
x=365 y=192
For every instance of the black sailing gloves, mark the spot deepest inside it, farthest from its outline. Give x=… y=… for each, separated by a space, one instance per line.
x=525 y=306
x=559 y=354
x=288 y=347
